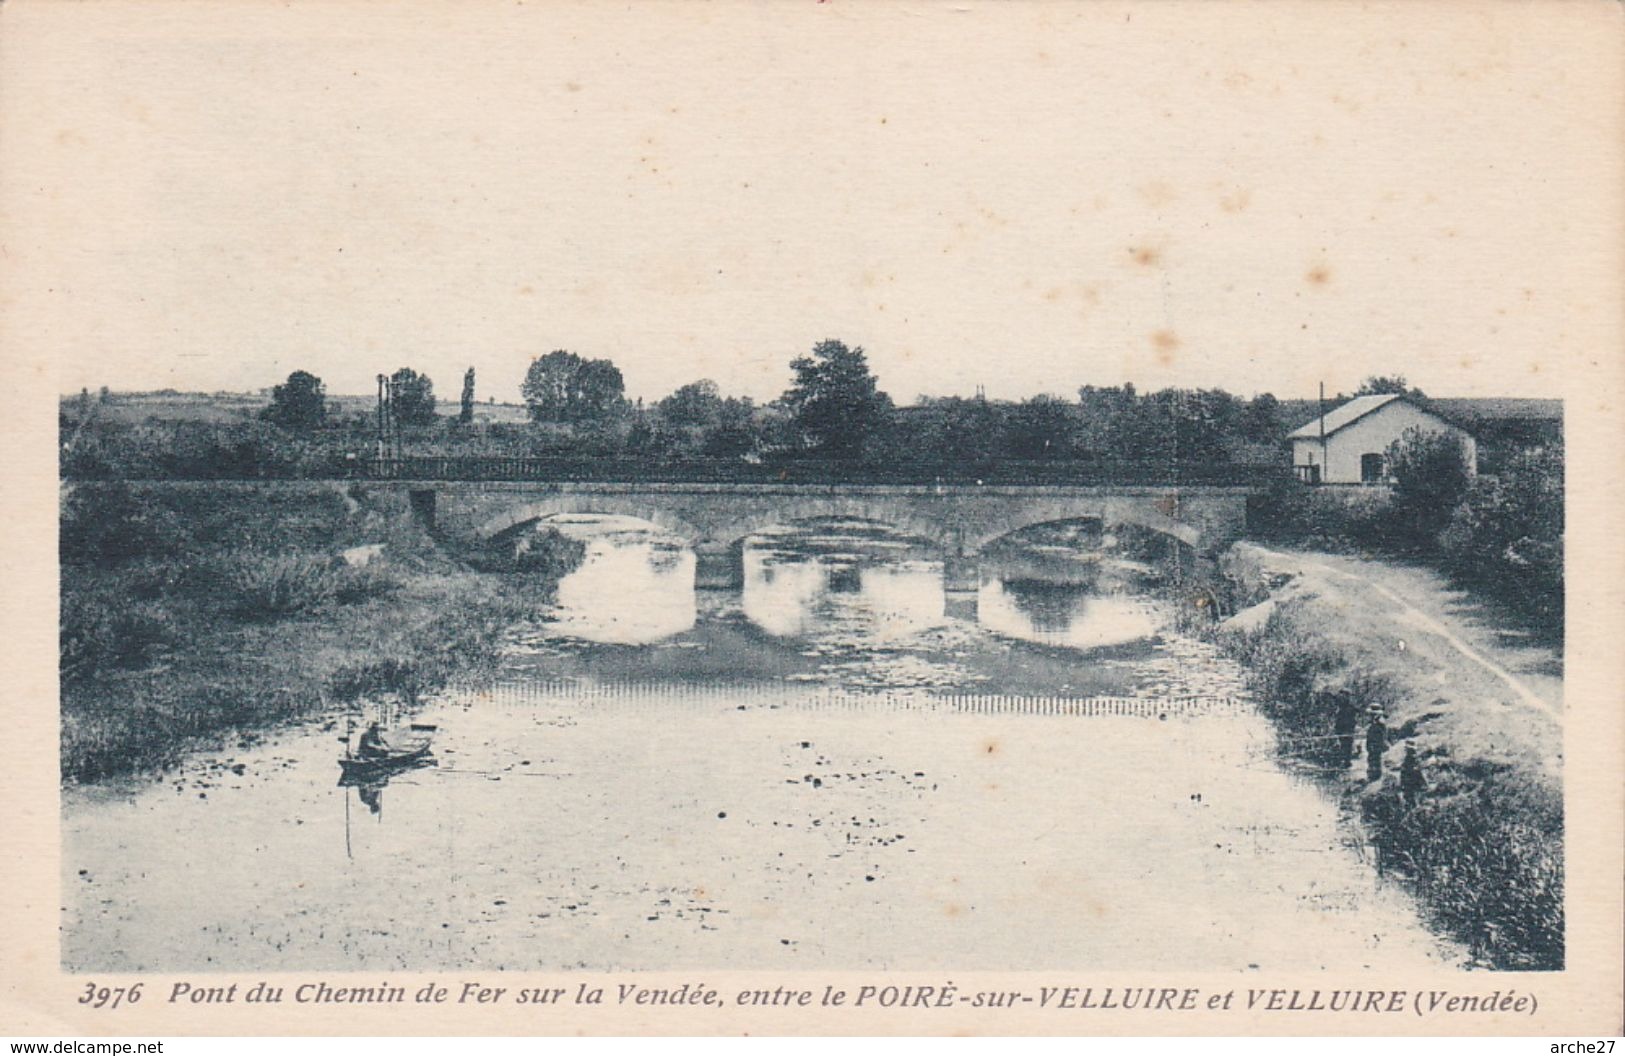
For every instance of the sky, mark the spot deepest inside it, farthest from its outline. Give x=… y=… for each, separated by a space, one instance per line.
x=1026 y=197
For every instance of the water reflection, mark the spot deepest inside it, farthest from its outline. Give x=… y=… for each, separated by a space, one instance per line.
x=1065 y=596
x=369 y=786
x=1065 y=614
x=841 y=582
x=635 y=584
x=1050 y=607
x=847 y=583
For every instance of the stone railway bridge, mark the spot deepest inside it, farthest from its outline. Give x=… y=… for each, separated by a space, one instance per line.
x=715 y=518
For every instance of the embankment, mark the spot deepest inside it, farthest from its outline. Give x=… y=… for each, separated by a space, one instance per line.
x=201 y=614
x=1481 y=839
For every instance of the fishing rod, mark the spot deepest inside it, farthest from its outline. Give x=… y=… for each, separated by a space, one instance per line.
x=498 y=773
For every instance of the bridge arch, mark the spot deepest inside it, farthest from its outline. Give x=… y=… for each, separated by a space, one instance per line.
x=605 y=505
x=733 y=531
x=1109 y=513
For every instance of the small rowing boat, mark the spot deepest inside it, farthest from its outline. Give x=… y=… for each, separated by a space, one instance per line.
x=388 y=752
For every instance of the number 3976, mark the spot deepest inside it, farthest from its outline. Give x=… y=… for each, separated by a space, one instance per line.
x=110 y=996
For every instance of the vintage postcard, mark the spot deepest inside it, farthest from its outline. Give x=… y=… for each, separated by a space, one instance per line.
x=812 y=518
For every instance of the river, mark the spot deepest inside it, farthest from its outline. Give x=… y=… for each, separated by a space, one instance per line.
x=838 y=766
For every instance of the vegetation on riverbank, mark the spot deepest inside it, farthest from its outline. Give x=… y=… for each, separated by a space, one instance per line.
x=1483 y=842
x=1499 y=533
x=206 y=613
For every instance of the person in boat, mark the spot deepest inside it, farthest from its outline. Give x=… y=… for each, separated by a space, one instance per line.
x=372 y=743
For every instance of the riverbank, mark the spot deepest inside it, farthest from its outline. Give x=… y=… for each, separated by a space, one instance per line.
x=193 y=617
x=1482 y=841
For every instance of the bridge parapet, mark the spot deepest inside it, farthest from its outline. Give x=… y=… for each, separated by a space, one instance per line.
x=960 y=519
x=813 y=472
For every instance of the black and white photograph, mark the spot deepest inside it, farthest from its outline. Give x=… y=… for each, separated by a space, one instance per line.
x=571 y=491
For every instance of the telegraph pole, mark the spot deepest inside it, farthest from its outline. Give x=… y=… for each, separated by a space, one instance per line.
x=383 y=417
x=1322 y=432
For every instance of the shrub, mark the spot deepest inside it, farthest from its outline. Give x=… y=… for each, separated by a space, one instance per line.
x=1488 y=864
x=1507 y=536
x=230 y=451
x=1431 y=477
x=106 y=524
x=203 y=450
x=273 y=587
x=1328 y=518
x=547 y=552
x=390 y=675
x=1291 y=673
x=355 y=585
x=97 y=633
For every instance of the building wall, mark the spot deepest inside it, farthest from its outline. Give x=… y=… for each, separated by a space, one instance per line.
x=1372 y=435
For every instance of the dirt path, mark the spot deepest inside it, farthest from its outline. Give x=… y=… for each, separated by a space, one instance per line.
x=1481 y=689
x=1423 y=601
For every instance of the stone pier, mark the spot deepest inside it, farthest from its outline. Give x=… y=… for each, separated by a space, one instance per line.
x=719 y=566
x=961 y=585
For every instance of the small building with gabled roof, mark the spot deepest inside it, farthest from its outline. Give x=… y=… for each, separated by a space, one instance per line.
x=1349 y=444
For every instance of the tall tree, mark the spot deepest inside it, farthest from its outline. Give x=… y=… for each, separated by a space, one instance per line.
x=732 y=431
x=466 y=415
x=1386 y=385
x=835 y=401
x=697 y=403
x=967 y=432
x=1261 y=420
x=300 y=403
x=1041 y=427
x=411 y=397
x=563 y=387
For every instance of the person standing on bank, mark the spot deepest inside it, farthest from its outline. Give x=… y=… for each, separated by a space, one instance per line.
x=1343 y=725
x=1376 y=743
x=1412 y=783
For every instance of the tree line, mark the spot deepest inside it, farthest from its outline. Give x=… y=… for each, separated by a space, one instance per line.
x=833 y=413
x=834 y=409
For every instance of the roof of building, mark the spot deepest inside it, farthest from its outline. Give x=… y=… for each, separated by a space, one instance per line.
x=1340 y=416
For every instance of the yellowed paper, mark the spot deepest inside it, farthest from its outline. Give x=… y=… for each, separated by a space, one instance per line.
x=1002 y=200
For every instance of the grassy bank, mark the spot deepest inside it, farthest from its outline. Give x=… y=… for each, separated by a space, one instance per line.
x=1482 y=843
x=200 y=614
